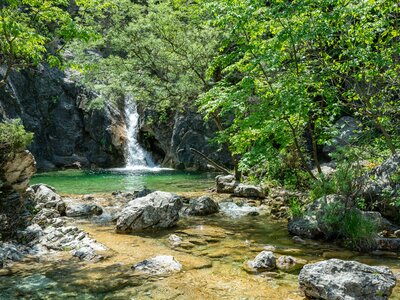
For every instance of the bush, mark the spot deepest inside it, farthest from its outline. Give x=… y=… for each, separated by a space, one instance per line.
x=295 y=208
x=13 y=136
x=357 y=231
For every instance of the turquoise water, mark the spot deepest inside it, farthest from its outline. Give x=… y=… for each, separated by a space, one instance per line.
x=106 y=181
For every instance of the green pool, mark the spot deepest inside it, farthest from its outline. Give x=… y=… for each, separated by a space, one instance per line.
x=105 y=181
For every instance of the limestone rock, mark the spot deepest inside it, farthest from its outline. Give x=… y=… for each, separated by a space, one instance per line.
x=348 y=280
x=228 y=184
x=158 y=265
x=83 y=210
x=156 y=210
x=46 y=197
x=264 y=261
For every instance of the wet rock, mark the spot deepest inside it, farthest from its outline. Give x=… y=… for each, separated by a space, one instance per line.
x=158 y=265
x=228 y=184
x=83 y=210
x=305 y=226
x=46 y=197
x=337 y=279
x=86 y=253
x=235 y=211
x=288 y=263
x=298 y=239
x=264 y=261
x=156 y=210
x=174 y=240
x=202 y=206
x=388 y=244
x=8 y=253
x=269 y=248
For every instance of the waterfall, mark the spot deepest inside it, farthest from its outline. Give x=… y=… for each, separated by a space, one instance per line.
x=136 y=155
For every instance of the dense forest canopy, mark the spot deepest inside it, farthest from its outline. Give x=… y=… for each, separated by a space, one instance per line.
x=275 y=76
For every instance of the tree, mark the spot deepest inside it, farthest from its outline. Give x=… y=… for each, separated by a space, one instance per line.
x=32 y=31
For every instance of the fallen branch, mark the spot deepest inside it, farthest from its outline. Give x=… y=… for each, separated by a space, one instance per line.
x=213 y=163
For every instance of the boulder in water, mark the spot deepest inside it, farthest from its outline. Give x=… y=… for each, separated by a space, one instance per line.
x=202 y=206
x=83 y=210
x=264 y=261
x=337 y=279
x=156 y=210
x=228 y=184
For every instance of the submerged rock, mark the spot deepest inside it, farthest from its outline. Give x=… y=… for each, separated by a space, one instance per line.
x=288 y=263
x=83 y=210
x=158 y=265
x=174 y=240
x=264 y=261
x=202 y=206
x=337 y=279
x=233 y=210
x=156 y=210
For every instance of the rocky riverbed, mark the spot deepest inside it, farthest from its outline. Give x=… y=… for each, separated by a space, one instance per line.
x=219 y=247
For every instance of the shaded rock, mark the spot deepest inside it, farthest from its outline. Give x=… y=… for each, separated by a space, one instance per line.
x=46 y=197
x=305 y=226
x=156 y=210
x=337 y=279
x=45 y=217
x=228 y=184
x=86 y=253
x=83 y=210
x=29 y=234
x=388 y=244
x=9 y=252
x=202 y=206
x=158 y=265
x=397 y=233
x=264 y=261
x=235 y=211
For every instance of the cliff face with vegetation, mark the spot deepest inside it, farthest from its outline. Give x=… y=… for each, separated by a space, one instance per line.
x=66 y=134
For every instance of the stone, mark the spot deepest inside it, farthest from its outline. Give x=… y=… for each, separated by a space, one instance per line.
x=233 y=210
x=174 y=240
x=46 y=197
x=45 y=217
x=228 y=184
x=269 y=248
x=30 y=233
x=83 y=210
x=158 y=265
x=348 y=280
x=288 y=263
x=156 y=210
x=397 y=233
x=264 y=261
x=388 y=244
x=202 y=206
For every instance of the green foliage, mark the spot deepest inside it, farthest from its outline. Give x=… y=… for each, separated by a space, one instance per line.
x=32 y=31
x=295 y=207
x=351 y=225
x=13 y=136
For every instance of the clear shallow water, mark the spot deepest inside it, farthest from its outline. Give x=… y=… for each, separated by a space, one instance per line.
x=214 y=251
x=106 y=181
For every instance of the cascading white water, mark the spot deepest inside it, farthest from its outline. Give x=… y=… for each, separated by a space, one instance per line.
x=136 y=156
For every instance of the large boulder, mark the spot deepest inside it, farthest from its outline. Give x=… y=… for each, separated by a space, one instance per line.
x=202 y=206
x=227 y=184
x=46 y=197
x=156 y=210
x=348 y=280
x=158 y=265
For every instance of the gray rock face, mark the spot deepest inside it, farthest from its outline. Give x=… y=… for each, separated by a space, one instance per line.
x=288 y=263
x=156 y=210
x=158 y=265
x=228 y=184
x=264 y=261
x=170 y=142
x=46 y=197
x=348 y=280
x=52 y=106
x=202 y=206
x=84 y=210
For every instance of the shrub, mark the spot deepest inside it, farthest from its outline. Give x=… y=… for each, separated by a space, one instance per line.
x=357 y=230
x=13 y=136
x=295 y=207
